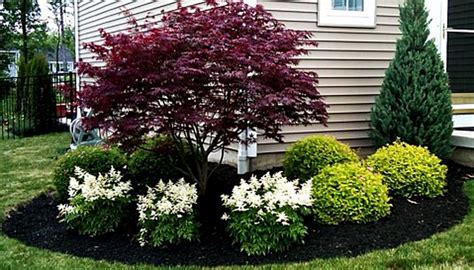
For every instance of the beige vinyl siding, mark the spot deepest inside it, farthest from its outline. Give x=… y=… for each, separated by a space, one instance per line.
x=350 y=62
x=96 y=14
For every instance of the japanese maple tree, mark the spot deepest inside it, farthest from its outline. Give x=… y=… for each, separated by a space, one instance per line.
x=202 y=77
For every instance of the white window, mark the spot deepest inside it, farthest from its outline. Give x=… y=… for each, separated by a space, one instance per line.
x=252 y=3
x=346 y=13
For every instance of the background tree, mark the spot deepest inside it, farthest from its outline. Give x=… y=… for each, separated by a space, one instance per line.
x=39 y=106
x=22 y=17
x=5 y=44
x=68 y=39
x=49 y=44
x=415 y=102
x=59 y=8
x=202 y=78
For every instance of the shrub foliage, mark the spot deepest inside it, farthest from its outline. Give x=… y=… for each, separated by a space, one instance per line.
x=205 y=75
x=96 y=205
x=266 y=215
x=94 y=160
x=156 y=159
x=308 y=156
x=35 y=95
x=414 y=103
x=349 y=192
x=409 y=170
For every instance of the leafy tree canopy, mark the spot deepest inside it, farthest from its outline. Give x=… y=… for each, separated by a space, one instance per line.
x=205 y=76
x=22 y=25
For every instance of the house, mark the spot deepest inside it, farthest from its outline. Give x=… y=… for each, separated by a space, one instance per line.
x=14 y=57
x=356 y=43
x=64 y=63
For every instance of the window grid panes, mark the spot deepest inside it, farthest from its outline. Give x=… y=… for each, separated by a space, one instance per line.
x=348 y=5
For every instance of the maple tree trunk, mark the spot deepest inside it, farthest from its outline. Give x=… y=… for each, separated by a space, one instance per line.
x=203 y=178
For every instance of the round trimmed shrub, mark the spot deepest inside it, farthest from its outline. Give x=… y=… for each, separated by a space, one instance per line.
x=308 y=156
x=349 y=192
x=155 y=160
x=92 y=159
x=409 y=170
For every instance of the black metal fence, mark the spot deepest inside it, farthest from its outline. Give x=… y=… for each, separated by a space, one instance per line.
x=37 y=104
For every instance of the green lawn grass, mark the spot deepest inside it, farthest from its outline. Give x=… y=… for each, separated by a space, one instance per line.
x=25 y=171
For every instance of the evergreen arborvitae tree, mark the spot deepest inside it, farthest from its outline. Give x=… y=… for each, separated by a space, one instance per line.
x=42 y=98
x=415 y=101
x=36 y=99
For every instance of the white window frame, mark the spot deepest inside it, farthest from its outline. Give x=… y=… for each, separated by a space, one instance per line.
x=252 y=3
x=346 y=18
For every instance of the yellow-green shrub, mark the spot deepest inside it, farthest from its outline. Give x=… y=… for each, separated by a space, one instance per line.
x=308 y=156
x=409 y=170
x=349 y=192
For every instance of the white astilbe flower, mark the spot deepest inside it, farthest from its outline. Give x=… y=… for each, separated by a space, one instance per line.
x=267 y=195
x=141 y=236
x=282 y=218
x=74 y=187
x=65 y=209
x=167 y=199
x=108 y=186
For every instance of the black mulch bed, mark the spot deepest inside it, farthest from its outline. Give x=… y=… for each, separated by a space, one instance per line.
x=35 y=224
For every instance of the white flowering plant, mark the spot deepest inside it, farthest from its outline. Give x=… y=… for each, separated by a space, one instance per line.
x=167 y=215
x=96 y=205
x=266 y=215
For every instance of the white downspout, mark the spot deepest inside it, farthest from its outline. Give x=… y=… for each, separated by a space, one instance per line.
x=76 y=49
x=246 y=150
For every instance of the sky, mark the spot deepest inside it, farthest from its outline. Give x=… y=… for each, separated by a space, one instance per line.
x=47 y=15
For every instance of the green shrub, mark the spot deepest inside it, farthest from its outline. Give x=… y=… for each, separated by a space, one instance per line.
x=307 y=157
x=156 y=160
x=96 y=205
x=349 y=192
x=35 y=97
x=266 y=215
x=92 y=159
x=166 y=214
x=409 y=170
x=415 y=98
